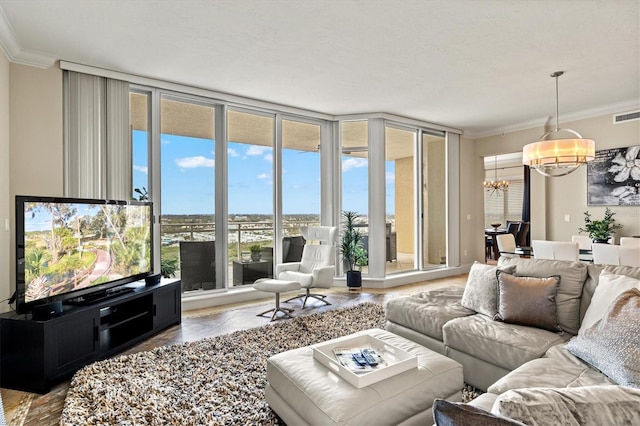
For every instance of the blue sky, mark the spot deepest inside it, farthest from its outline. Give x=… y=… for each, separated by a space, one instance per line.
x=188 y=166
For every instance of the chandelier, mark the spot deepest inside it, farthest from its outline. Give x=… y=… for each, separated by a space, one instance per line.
x=496 y=186
x=558 y=156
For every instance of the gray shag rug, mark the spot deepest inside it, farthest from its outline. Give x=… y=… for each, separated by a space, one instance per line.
x=213 y=381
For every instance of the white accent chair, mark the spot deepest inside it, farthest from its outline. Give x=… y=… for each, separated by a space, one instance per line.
x=506 y=245
x=317 y=267
x=584 y=241
x=629 y=242
x=629 y=256
x=555 y=250
x=606 y=254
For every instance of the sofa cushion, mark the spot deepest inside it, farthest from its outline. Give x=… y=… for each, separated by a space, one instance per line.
x=572 y=278
x=610 y=286
x=481 y=291
x=558 y=368
x=612 y=345
x=593 y=277
x=527 y=301
x=502 y=344
x=428 y=311
x=590 y=405
x=447 y=413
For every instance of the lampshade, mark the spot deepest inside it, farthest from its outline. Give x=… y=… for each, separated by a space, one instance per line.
x=556 y=156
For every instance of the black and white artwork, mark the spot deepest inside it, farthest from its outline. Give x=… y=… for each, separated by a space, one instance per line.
x=613 y=178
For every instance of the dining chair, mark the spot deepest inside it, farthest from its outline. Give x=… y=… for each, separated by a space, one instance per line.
x=542 y=249
x=564 y=250
x=629 y=256
x=522 y=237
x=584 y=241
x=629 y=242
x=606 y=254
x=506 y=245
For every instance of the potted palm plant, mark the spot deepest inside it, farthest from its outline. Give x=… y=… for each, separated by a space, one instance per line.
x=600 y=230
x=256 y=252
x=352 y=250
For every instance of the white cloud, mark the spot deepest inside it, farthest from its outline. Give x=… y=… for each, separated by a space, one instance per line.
x=232 y=152
x=391 y=177
x=354 y=163
x=194 y=162
x=165 y=141
x=264 y=176
x=257 y=150
x=269 y=158
x=143 y=169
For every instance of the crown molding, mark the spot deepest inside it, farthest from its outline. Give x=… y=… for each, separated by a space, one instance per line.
x=566 y=118
x=14 y=52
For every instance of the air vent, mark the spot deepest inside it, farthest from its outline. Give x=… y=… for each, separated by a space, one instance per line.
x=627 y=116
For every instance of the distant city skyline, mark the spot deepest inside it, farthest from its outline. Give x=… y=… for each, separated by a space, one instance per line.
x=188 y=178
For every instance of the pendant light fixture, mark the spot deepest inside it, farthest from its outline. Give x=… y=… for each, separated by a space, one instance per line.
x=496 y=186
x=554 y=156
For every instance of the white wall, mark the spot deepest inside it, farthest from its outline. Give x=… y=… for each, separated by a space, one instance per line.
x=553 y=198
x=35 y=157
x=6 y=289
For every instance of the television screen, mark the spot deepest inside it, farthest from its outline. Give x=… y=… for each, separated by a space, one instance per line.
x=71 y=247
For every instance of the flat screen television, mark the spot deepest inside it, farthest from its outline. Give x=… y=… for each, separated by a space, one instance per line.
x=70 y=248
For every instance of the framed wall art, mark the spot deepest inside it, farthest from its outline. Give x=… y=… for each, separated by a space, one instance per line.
x=613 y=178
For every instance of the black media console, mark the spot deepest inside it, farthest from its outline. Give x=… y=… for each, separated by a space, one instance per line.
x=34 y=355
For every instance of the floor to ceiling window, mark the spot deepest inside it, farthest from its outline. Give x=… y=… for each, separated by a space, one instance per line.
x=355 y=173
x=187 y=165
x=300 y=183
x=250 y=196
x=434 y=196
x=140 y=142
x=400 y=233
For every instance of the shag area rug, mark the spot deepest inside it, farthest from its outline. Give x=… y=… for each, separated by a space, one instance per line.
x=213 y=381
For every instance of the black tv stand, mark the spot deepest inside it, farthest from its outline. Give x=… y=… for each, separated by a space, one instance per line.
x=98 y=296
x=34 y=354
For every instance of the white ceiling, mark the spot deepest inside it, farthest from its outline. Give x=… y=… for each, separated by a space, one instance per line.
x=482 y=66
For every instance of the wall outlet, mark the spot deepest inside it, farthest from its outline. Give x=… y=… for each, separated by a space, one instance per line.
x=464 y=253
x=468 y=217
x=567 y=218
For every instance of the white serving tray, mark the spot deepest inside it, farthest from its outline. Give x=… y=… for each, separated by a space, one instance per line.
x=397 y=360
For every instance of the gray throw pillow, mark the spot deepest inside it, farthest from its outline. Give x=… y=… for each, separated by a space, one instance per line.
x=612 y=344
x=481 y=292
x=528 y=301
x=447 y=413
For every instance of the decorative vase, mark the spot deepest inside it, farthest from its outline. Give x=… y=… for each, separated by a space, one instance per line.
x=354 y=279
x=255 y=256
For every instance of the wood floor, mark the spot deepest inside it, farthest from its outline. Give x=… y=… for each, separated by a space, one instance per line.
x=44 y=410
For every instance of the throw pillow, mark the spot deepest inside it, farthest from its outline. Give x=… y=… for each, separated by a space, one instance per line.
x=447 y=413
x=481 y=292
x=610 y=286
x=583 y=405
x=612 y=344
x=528 y=301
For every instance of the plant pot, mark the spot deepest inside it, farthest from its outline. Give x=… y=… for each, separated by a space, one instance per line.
x=255 y=256
x=601 y=241
x=354 y=279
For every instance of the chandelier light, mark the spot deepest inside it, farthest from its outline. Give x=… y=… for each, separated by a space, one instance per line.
x=496 y=186
x=555 y=156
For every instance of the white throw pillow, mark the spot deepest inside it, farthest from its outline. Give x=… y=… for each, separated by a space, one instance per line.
x=481 y=291
x=610 y=286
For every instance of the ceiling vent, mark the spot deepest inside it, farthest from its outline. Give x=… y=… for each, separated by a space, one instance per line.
x=626 y=116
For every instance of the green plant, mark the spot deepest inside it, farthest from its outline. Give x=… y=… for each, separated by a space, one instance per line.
x=600 y=229
x=168 y=266
x=351 y=247
x=255 y=248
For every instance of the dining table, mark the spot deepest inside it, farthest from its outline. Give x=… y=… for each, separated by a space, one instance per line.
x=583 y=255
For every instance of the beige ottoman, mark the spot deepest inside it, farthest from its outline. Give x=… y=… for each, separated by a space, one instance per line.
x=302 y=391
x=271 y=285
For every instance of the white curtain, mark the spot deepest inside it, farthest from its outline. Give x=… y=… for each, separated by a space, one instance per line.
x=97 y=144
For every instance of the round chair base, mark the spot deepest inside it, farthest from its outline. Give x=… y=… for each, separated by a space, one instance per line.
x=271 y=285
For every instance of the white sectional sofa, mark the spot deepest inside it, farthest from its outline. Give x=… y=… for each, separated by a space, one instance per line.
x=524 y=366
